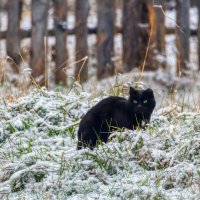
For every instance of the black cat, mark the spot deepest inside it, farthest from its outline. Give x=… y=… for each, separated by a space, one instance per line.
x=113 y=112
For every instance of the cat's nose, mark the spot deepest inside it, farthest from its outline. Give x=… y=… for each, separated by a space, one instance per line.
x=139 y=105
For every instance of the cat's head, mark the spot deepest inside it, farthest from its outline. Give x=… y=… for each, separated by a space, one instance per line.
x=142 y=100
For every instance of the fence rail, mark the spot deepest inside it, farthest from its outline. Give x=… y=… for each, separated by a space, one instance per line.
x=24 y=33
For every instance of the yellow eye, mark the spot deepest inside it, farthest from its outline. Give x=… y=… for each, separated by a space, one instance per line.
x=145 y=101
x=134 y=101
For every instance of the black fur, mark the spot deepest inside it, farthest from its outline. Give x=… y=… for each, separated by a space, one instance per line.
x=114 y=112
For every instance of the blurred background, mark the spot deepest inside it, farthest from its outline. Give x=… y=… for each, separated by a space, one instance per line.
x=56 y=42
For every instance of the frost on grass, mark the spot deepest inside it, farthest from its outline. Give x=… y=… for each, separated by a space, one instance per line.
x=39 y=160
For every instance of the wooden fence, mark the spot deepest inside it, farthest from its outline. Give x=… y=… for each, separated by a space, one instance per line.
x=143 y=31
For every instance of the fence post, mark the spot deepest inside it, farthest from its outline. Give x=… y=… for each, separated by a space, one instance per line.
x=160 y=30
x=130 y=35
x=82 y=9
x=13 y=34
x=138 y=25
x=61 y=55
x=182 y=36
x=105 y=35
x=39 y=31
x=198 y=34
x=3 y=4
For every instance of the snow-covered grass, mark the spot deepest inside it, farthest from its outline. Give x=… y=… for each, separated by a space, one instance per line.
x=39 y=160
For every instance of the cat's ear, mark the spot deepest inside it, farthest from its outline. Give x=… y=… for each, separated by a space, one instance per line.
x=132 y=91
x=149 y=91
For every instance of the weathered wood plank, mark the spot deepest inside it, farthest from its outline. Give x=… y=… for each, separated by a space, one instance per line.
x=3 y=4
x=105 y=37
x=39 y=31
x=182 y=36
x=160 y=30
x=137 y=48
x=81 y=11
x=150 y=61
x=13 y=33
x=198 y=35
x=130 y=37
x=61 y=55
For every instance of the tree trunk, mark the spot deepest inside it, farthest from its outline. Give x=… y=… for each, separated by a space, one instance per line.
x=61 y=55
x=13 y=34
x=39 y=31
x=182 y=36
x=105 y=35
x=82 y=9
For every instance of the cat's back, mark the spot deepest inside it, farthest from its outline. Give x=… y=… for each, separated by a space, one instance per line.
x=104 y=107
x=108 y=102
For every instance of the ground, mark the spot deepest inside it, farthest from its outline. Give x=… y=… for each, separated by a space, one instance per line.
x=39 y=160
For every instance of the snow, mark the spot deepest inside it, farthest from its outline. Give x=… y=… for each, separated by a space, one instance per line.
x=170 y=18
x=39 y=158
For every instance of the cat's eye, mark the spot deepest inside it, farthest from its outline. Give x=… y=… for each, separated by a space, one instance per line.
x=145 y=101
x=134 y=101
